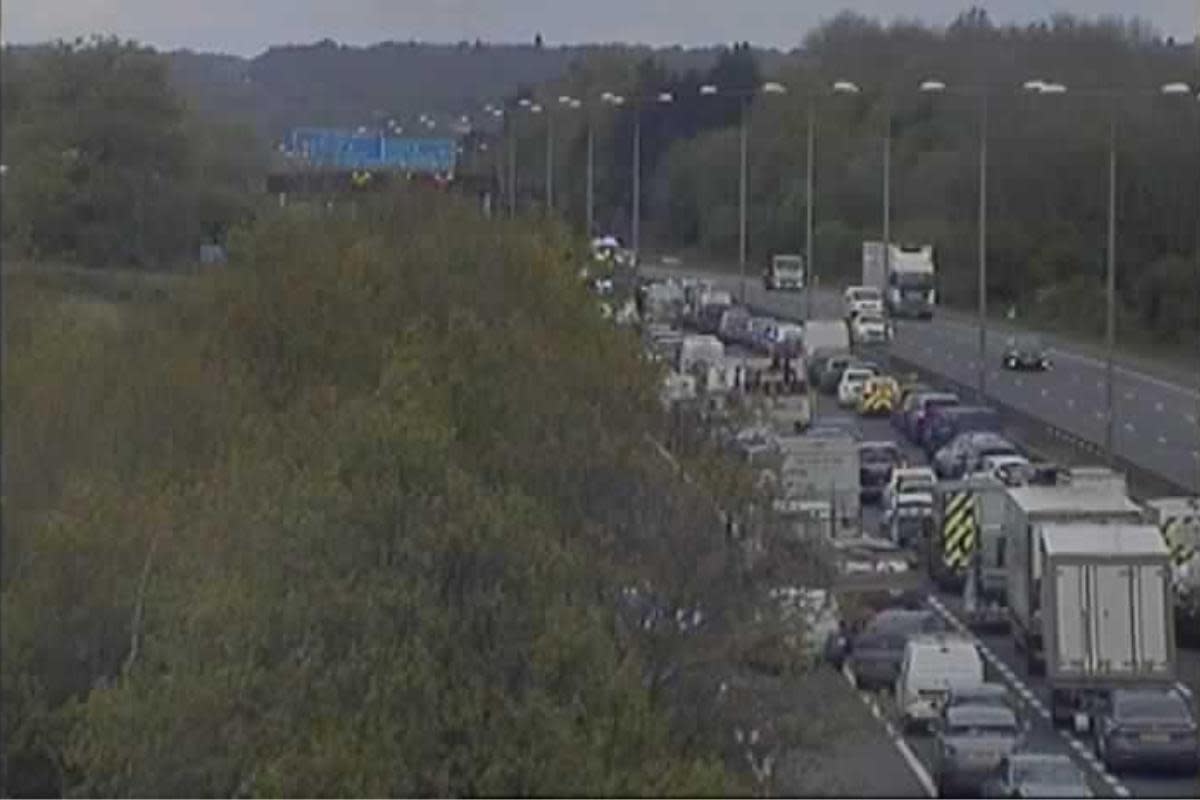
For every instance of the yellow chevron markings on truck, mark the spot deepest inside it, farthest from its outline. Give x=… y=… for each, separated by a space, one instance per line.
x=1172 y=531
x=958 y=529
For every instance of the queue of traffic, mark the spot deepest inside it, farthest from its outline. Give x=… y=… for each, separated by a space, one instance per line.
x=1083 y=578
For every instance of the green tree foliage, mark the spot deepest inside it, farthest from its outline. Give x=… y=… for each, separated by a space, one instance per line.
x=359 y=516
x=105 y=163
x=1047 y=157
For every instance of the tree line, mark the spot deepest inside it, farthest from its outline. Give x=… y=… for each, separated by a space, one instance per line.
x=107 y=164
x=375 y=511
x=1048 y=158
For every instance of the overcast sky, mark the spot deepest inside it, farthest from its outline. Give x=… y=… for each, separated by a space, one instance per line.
x=247 y=27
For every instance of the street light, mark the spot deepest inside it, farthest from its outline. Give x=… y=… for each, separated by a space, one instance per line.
x=635 y=228
x=770 y=87
x=938 y=87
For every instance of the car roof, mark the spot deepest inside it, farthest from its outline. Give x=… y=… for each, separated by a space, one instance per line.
x=980 y=714
x=982 y=690
x=1040 y=758
x=962 y=411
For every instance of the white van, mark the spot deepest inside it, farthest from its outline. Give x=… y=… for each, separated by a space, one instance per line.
x=700 y=350
x=933 y=666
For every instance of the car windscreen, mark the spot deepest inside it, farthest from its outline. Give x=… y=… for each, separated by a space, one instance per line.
x=877 y=453
x=914 y=485
x=938 y=401
x=982 y=730
x=1150 y=706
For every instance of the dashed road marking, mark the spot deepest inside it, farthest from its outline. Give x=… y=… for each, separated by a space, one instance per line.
x=1162 y=440
x=1191 y=419
x=1129 y=395
x=1045 y=392
x=1158 y=406
x=918 y=769
x=1099 y=415
x=1129 y=427
x=1027 y=694
x=1070 y=403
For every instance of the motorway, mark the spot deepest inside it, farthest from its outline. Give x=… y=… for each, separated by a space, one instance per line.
x=1156 y=420
x=916 y=751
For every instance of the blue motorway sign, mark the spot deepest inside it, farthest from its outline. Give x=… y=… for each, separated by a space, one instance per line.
x=346 y=150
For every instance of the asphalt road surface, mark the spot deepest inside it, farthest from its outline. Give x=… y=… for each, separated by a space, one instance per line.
x=1155 y=425
x=911 y=767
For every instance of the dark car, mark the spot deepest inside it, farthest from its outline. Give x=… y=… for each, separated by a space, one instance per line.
x=1025 y=352
x=920 y=406
x=831 y=372
x=908 y=391
x=1147 y=728
x=944 y=423
x=966 y=452
x=1037 y=775
x=876 y=460
x=709 y=319
x=877 y=651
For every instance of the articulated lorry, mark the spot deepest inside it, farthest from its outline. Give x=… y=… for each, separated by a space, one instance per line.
x=1104 y=612
x=911 y=282
x=1027 y=510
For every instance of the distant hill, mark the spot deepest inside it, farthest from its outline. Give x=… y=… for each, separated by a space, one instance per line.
x=331 y=84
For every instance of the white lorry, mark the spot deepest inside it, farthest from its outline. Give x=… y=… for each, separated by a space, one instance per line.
x=820 y=471
x=911 y=289
x=1027 y=509
x=786 y=271
x=1105 y=603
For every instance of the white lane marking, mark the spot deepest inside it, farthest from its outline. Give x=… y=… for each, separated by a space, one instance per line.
x=1191 y=418
x=1099 y=415
x=1045 y=392
x=1026 y=694
x=1158 y=406
x=1162 y=440
x=1129 y=427
x=1129 y=395
x=1070 y=403
x=1196 y=455
x=918 y=769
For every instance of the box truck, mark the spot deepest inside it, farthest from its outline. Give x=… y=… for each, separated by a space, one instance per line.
x=1027 y=509
x=1105 y=613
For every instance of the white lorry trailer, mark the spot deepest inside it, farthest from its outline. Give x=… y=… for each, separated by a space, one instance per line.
x=1105 y=609
x=874 y=266
x=1027 y=509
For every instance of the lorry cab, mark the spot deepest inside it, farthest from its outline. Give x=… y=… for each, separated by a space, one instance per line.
x=933 y=666
x=786 y=271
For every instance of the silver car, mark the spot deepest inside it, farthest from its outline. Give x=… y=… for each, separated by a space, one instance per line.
x=972 y=743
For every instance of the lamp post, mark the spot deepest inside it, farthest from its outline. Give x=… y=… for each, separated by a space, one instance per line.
x=938 y=87
x=771 y=87
x=1110 y=332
